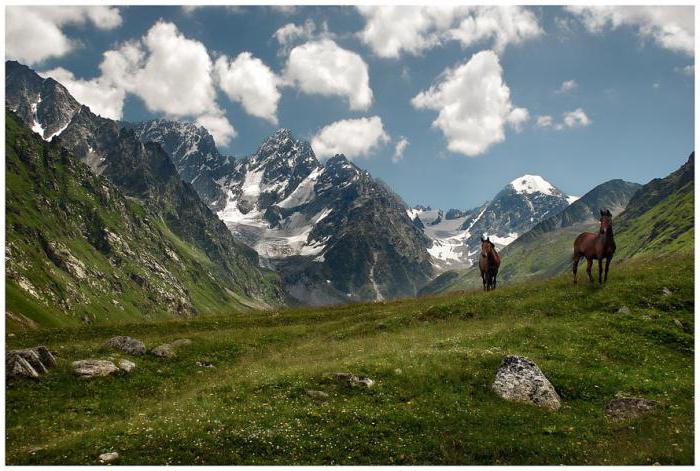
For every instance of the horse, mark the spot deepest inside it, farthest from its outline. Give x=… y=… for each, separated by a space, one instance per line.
x=489 y=261
x=596 y=247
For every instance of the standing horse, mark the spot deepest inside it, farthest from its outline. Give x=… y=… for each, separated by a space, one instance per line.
x=489 y=261
x=596 y=247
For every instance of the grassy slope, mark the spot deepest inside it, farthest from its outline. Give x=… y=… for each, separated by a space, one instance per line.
x=56 y=197
x=433 y=359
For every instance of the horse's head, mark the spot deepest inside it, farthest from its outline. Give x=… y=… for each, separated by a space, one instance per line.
x=486 y=246
x=605 y=221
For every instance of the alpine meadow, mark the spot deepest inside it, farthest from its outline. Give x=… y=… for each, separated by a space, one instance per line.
x=328 y=235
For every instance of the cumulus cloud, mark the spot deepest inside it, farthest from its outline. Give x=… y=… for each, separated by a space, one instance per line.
x=148 y=69
x=352 y=137
x=249 y=81
x=544 y=121
x=567 y=86
x=473 y=104
x=671 y=27
x=518 y=117
x=218 y=126
x=576 y=119
x=35 y=33
x=324 y=68
x=399 y=149
x=101 y=97
x=290 y=33
x=393 y=30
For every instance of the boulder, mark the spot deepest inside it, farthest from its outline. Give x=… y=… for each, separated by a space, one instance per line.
x=126 y=344
x=45 y=356
x=180 y=343
x=163 y=351
x=519 y=379
x=354 y=380
x=38 y=359
x=628 y=408
x=32 y=357
x=126 y=365
x=18 y=367
x=94 y=368
x=624 y=310
x=107 y=458
x=666 y=292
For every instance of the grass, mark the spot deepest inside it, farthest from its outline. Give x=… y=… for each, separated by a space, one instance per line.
x=433 y=358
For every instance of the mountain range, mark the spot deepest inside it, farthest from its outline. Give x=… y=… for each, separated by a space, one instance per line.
x=275 y=227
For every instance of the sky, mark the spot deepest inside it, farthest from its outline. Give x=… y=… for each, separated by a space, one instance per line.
x=445 y=104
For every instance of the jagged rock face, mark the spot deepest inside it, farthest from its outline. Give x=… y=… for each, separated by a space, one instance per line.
x=333 y=232
x=191 y=149
x=145 y=172
x=81 y=249
x=44 y=105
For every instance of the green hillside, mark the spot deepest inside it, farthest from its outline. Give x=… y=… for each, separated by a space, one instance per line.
x=79 y=251
x=433 y=360
x=658 y=220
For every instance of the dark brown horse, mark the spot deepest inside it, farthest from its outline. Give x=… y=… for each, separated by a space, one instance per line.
x=596 y=247
x=489 y=261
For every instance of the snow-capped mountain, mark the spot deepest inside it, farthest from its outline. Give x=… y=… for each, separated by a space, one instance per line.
x=333 y=232
x=518 y=207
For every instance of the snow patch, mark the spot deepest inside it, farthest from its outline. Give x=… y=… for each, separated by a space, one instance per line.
x=529 y=184
x=510 y=238
x=570 y=199
x=37 y=127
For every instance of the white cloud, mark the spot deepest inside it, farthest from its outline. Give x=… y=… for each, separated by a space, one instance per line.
x=218 y=126
x=352 y=137
x=671 y=27
x=686 y=70
x=34 y=33
x=576 y=118
x=250 y=82
x=655 y=85
x=290 y=33
x=473 y=104
x=399 y=149
x=102 y=98
x=518 y=117
x=324 y=68
x=392 y=30
x=170 y=73
x=567 y=86
x=544 y=121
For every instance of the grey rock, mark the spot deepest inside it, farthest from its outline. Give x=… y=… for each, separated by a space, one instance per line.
x=180 y=343
x=163 y=351
x=107 y=458
x=45 y=356
x=126 y=344
x=354 y=380
x=666 y=292
x=18 y=367
x=629 y=408
x=679 y=324
x=32 y=357
x=94 y=368
x=519 y=379
x=126 y=365
x=318 y=395
x=624 y=310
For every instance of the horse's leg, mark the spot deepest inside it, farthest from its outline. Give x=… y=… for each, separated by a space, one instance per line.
x=589 y=266
x=607 y=266
x=494 y=280
x=577 y=258
x=483 y=279
x=600 y=271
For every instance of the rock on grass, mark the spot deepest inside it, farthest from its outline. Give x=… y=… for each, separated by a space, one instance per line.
x=520 y=380
x=629 y=408
x=94 y=368
x=126 y=365
x=28 y=363
x=107 y=458
x=126 y=344
x=353 y=380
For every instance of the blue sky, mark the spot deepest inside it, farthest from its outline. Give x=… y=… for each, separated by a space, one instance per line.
x=627 y=111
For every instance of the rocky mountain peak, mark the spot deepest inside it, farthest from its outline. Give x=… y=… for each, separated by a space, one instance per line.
x=529 y=184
